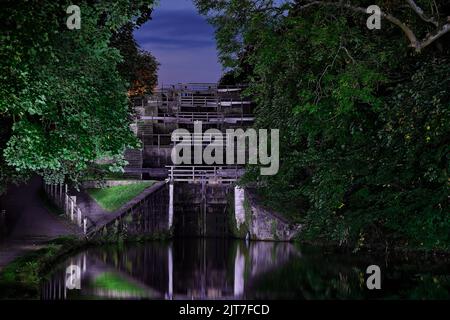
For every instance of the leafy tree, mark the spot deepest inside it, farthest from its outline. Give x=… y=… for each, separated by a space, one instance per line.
x=138 y=67
x=63 y=103
x=363 y=117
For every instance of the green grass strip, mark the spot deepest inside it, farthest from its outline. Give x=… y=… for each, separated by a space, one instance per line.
x=113 y=198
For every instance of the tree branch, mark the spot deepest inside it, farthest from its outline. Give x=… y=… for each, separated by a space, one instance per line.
x=409 y=33
x=421 y=14
x=434 y=36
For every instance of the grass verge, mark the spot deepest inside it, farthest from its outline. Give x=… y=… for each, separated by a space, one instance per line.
x=113 y=198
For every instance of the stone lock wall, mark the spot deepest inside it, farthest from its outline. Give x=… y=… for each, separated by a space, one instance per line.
x=252 y=220
x=145 y=216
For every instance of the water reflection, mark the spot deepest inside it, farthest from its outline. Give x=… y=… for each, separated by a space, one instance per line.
x=225 y=269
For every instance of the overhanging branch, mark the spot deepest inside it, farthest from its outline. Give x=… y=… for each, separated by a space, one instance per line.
x=409 y=33
x=418 y=10
x=435 y=35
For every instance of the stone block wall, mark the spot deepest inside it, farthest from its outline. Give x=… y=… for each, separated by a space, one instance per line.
x=145 y=216
x=157 y=157
x=250 y=219
x=134 y=158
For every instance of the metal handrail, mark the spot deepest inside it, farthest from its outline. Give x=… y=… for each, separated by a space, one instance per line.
x=185 y=173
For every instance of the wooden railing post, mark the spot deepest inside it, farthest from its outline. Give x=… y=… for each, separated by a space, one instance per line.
x=79 y=217
x=66 y=199
x=72 y=208
x=66 y=205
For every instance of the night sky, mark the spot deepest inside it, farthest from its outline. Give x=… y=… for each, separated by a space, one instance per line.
x=182 y=42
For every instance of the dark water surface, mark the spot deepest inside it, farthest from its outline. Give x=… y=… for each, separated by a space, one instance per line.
x=231 y=269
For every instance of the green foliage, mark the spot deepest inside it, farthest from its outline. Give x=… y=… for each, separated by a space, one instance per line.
x=103 y=172
x=63 y=103
x=138 y=67
x=113 y=198
x=364 y=121
x=22 y=277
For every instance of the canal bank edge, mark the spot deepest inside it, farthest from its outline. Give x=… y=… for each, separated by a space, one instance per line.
x=21 y=278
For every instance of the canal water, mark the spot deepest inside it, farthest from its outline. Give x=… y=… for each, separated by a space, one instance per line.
x=232 y=269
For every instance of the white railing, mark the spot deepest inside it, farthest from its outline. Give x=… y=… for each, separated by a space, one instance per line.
x=198 y=101
x=200 y=139
x=59 y=194
x=204 y=173
x=194 y=139
x=199 y=116
x=191 y=86
x=206 y=117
